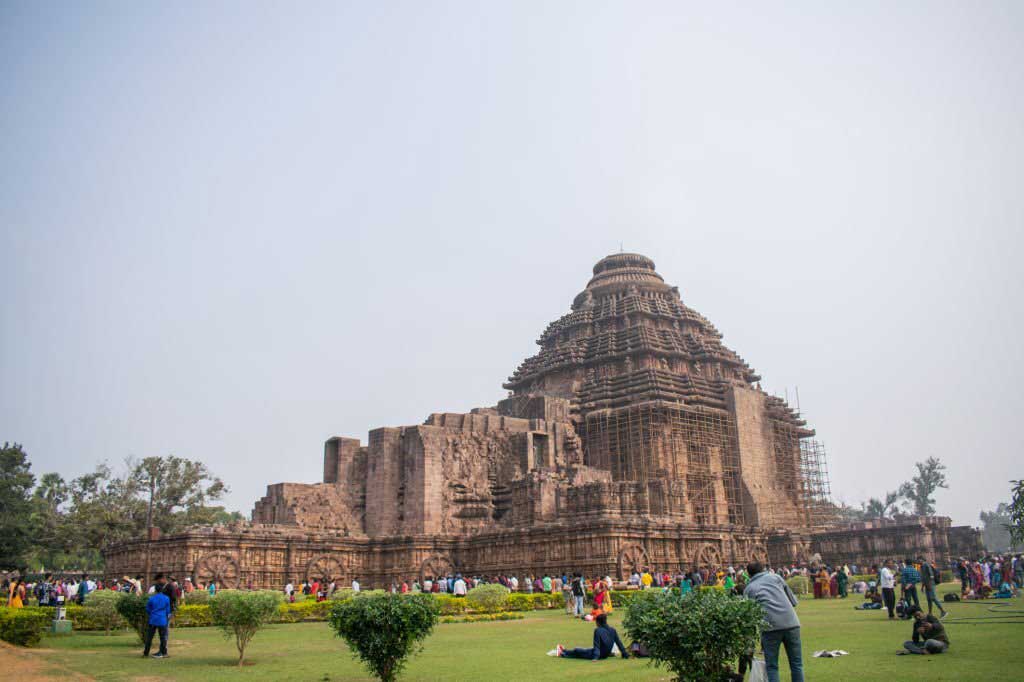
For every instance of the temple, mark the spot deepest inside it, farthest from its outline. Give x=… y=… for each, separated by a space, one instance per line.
x=633 y=438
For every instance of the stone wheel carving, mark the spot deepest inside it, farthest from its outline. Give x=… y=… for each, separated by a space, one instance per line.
x=326 y=567
x=436 y=565
x=633 y=559
x=219 y=567
x=707 y=556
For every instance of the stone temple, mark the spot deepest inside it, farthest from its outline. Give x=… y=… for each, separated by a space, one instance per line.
x=633 y=438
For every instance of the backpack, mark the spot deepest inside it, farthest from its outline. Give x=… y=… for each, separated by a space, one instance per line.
x=951 y=597
x=901 y=609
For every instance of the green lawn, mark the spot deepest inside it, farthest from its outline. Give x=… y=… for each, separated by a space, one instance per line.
x=990 y=648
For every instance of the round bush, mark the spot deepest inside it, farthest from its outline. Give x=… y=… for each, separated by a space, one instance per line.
x=799 y=584
x=488 y=598
x=697 y=636
x=384 y=630
x=132 y=608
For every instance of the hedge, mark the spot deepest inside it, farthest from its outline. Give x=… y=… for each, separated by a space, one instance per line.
x=483 y=617
x=24 y=626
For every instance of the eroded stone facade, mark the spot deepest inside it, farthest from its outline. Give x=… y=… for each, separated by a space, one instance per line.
x=633 y=438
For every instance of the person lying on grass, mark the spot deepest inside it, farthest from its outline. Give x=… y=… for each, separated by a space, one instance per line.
x=604 y=637
x=929 y=634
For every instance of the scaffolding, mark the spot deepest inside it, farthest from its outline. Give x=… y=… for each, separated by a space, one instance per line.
x=659 y=440
x=815 y=489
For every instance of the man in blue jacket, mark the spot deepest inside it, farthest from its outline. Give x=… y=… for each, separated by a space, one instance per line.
x=158 y=606
x=774 y=595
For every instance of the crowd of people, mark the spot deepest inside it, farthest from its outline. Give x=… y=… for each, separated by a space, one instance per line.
x=591 y=598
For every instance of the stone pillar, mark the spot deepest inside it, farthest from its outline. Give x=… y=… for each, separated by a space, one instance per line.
x=383 y=479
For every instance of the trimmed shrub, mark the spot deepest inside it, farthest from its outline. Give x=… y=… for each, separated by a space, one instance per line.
x=242 y=614
x=697 y=636
x=193 y=616
x=383 y=631
x=545 y=600
x=132 y=608
x=799 y=584
x=196 y=597
x=24 y=626
x=519 y=602
x=100 y=611
x=449 y=605
x=488 y=598
x=483 y=617
x=310 y=610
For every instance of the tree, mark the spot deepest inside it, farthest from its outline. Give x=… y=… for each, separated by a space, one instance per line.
x=383 y=630
x=696 y=637
x=16 y=481
x=176 y=491
x=1016 y=524
x=996 y=528
x=919 y=490
x=883 y=509
x=242 y=614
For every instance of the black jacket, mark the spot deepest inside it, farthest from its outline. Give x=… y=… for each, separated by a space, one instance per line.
x=936 y=631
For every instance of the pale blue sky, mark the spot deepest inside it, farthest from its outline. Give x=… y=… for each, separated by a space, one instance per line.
x=232 y=230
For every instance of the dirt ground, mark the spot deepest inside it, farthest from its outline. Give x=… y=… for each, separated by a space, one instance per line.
x=18 y=664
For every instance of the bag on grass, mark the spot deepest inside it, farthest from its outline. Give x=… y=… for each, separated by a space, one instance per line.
x=758 y=671
x=951 y=597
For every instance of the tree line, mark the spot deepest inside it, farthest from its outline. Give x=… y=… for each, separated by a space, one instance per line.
x=54 y=524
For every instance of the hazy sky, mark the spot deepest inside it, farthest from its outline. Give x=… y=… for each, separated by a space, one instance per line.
x=231 y=231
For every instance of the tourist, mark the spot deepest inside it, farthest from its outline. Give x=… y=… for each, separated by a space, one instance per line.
x=842 y=578
x=513 y=584
x=929 y=636
x=579 y=593
x=459 y=587
x=16 y=594
x=546 y=584
x=605 y=637
x=567 y=596
x=212 y=588
x=783 y=625
x=404 y=587
x=887 y=582
x=355 y=586
x=158 y=606
x=289 y=591
x=909 y=578
x=929 y=578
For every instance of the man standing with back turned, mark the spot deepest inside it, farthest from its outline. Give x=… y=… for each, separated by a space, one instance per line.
x=774 y=595
x=158 y=606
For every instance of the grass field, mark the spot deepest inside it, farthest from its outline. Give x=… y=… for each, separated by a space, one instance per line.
x=991 y=647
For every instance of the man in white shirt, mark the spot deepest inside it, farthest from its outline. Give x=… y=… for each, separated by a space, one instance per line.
x=289 y=591
x=460 y=586
x=514 y=582
x=355 y=586
x=887 y=581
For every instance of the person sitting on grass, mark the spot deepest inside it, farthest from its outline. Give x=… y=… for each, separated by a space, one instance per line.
x=929 y=635
x=604 y=637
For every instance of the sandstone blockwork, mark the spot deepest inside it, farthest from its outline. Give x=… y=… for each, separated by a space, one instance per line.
x=633 y=439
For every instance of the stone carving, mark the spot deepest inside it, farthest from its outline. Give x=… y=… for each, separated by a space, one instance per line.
x=633 y=559
x=219 y=567
x=707 y=556
x=326 y=567
x=436 y=565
